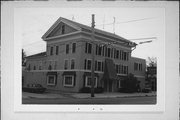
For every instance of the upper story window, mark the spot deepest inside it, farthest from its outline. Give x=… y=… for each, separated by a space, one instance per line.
x=72 y=64
x=88 y=48
x=121 y=69
x=63 y=29
x=87 y=64
x=73 y=47
x=57 y=50
x=34 y=68
x=67 y=48
x=51 y=51
x=138 y=66
x=65 y=64
x=109 y=52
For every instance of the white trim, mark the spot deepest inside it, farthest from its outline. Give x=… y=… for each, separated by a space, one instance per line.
x=65 y=85
x=48 y=80
x=86 y=81
x=61 y=36
x=140 y=76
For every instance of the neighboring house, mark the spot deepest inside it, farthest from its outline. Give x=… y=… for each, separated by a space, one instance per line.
x=66 y=64
x=152 y=77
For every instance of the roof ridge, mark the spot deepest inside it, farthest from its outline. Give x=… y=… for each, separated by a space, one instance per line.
x=97 y=30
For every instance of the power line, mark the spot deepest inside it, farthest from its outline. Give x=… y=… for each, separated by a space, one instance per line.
x=127 y=21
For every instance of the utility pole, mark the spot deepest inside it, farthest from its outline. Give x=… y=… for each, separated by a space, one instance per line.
x=92 y=68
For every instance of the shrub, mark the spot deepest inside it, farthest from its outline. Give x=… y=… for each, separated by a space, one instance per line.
x=88 y=90
x=129 y=84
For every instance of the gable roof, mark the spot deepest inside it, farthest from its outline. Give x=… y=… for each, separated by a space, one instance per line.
x=42 y=54
x=81 y=27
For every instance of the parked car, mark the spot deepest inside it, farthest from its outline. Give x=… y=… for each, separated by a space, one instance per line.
x=146 y=90
x=34 y=88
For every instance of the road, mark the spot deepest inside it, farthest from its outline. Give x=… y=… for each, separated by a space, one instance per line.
x=129 y=100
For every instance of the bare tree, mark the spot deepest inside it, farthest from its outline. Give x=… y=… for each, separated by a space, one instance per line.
x=23 y=58
x=152 y=62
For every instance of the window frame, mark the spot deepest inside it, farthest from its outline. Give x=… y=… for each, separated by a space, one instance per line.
x=86 y=81
x=57 y=50
x=74 y=47
x=71 y=64
x=67 y=48
x=67 y=85
x=54 y=83
x=51 y=50
x=65 y=64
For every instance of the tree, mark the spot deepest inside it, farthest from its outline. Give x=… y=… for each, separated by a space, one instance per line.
x=23 y=58
x=129 y=84
x=152 y=62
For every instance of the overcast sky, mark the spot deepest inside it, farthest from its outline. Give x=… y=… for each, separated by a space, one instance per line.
x=130 y=23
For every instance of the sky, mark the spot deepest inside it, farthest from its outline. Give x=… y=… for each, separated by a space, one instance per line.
x=130 y=23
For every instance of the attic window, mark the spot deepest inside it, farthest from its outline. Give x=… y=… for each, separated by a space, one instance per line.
x=63 y=29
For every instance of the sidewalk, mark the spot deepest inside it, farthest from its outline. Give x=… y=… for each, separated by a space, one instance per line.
x=44 y=95
x=84 y=95
x=112 y=95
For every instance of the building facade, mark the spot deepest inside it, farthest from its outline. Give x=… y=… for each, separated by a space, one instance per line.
x=66 y=65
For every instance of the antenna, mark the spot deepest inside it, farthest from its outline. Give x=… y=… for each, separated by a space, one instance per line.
x=73 y=18
x=103 y=21
x=114 y=25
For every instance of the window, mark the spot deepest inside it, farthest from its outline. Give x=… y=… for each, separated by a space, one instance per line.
x=117 y=68
x=73 y=47
x=63 y=29
x=125 y=56
x=57 y=50
x=106 y=51
x=72 y=64
x=29 y=67
x=40 y=68
x=50 y=67
x=66 y=64
x=34 y=68
x=89 y=64
x=120 y=56
x=88 y=81
x=51 y=80
x=95 y=65
x=85 y=62
x=88 y=48
x=68 y=80
x=99 y=66
x=67 y=48
x=109 y=52
x=114 y=53
x=99 y=50
x=51 y=51
x=137 y=66
x=117 y=54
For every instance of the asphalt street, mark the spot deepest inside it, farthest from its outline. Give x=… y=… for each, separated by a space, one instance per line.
x=126 y=100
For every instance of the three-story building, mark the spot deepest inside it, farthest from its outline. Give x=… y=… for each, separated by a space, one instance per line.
x=66 y=65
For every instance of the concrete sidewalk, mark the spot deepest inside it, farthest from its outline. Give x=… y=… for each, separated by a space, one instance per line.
x=44 y=95
x=112 y=95
x=84 y=95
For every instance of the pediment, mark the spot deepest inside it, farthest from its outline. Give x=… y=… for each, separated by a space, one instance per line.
x=59 y=28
